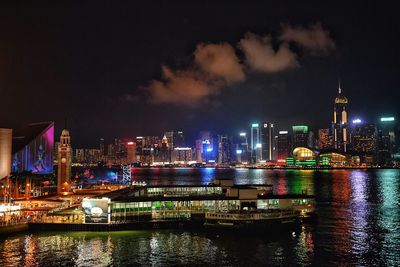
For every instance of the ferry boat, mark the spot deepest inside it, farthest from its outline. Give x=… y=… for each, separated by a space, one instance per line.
x=265 y=218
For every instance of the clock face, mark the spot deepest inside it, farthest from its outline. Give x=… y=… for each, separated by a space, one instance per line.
x=63 y=160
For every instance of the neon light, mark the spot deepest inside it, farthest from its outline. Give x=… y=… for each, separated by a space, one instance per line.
x=383 y=119
x=300 y=128
x=182 y=148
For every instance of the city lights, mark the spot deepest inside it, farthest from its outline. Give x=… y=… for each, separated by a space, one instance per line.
x=254 y=125
x=357 y=121
x=242 y=134
x=386 y=119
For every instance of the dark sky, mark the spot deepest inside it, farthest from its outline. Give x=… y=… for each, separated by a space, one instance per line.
x=92 y=63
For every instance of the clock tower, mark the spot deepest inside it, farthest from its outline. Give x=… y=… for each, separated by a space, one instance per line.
x=64 y=163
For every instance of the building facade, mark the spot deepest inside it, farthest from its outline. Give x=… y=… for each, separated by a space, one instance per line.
x=340 y=124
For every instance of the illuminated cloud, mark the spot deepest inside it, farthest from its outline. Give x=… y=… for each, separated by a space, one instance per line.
x=182 y=87
x=217 y=66
x=261 y=56
x=314 y=38
x=219 y=61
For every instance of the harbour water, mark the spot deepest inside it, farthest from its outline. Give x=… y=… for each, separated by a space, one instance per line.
x=358 y=224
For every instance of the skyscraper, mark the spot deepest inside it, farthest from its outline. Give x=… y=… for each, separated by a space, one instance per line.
x=101 y=146
x=340 y=135
x=131 y=152
x=175 y=139
x=64 y=163
x=365 y=141
x=283 y=145
x=325 y=139
x=300 y=136
x=255 y=143
x=224 y=150
x=267 y=141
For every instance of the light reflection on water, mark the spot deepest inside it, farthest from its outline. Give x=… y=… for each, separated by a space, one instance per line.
x=358 y=224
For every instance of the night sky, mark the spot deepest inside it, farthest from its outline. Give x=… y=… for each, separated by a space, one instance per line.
x=129 y=68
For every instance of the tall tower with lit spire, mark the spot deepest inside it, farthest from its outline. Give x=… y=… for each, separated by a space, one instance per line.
x=64 y=163
x=339 y=123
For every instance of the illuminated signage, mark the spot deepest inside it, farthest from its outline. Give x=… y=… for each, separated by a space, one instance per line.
x=211 y=161
x=265 y=125
x=385 y=119
x=300 y=128
x=209 y=149
x=96 y=210
x=238 y=151
x=242 y=134
x=130 y=143
x=182 y=148
x=254 y=125
x=356 y=121
x=283 y=132
x=258 y=145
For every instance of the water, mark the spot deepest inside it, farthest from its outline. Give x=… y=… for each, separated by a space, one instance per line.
x=359 y=224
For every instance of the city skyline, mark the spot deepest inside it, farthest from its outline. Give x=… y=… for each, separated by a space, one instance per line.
x=107 y=77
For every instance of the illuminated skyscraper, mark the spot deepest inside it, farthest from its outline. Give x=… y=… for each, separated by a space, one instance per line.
x=300 y=136
x=102 y=152
x=365 y=141
x=175 y=139
x=255 y=143
x=284 y=145
x=267 y=141
x=131 y=152
x=340 y=134
x=64 y=163
x=325 y=139
x=224 y=149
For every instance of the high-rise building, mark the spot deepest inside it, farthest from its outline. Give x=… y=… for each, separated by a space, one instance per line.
x=101 y=146
x=300 y=136
x=64 y=163
x=79 y=155
x=181 y=155
x=139 y=147
x=224 y=150
x=255 y=143
x=175 y=139
x=325 y=139
x=267 y=141
x=339 y=124
x=199 y=151
x=283 y=145
x=165 y=155
x=243 y=151
x=365 y=141
x=386 y=140
x=131 y=152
